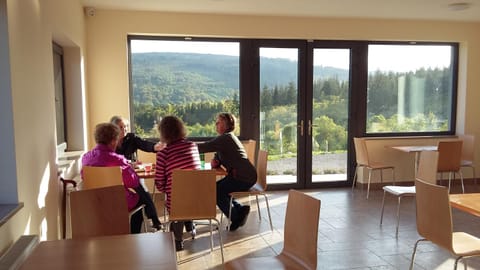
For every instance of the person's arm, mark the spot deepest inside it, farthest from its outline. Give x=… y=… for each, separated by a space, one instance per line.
x=144 y=145
x=213 y=145
x=160 y=173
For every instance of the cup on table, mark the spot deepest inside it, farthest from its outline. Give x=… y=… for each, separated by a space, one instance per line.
x=147 y=167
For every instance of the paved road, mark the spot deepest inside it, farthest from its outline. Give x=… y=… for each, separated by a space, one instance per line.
x=331 y=162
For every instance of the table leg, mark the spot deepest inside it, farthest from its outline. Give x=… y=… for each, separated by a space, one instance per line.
x=417 y=159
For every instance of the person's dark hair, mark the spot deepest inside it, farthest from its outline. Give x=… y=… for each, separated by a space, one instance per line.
x=105 y=133
x=229 y=121
x=171 y=128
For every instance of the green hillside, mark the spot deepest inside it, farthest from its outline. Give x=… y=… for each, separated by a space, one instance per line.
x=161 y=78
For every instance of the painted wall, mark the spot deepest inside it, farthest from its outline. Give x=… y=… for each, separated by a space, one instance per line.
x=108 y=70
x=32 y=27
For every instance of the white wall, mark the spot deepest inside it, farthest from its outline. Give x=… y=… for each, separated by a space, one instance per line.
x=32 y=27
x=108 y=69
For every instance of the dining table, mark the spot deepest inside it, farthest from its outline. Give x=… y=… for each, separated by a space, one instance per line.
x=417 y=149
x=467 y=202
x=119 y=252
x=151 y=174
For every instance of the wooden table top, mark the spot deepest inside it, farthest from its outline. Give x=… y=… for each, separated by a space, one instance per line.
x=151 y=174
x=130 y=251
x=414 y=148
x=468 y=202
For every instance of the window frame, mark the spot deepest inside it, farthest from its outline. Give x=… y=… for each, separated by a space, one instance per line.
x=454 y=93
x=249 y=80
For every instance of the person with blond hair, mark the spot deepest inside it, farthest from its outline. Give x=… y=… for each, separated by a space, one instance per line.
x=129 y=143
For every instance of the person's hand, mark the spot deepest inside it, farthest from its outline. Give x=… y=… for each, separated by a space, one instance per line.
x=215 y=163
x=159 y=146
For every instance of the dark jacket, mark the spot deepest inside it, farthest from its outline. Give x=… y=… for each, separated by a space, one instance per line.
x=131 y=143
x=231 y=154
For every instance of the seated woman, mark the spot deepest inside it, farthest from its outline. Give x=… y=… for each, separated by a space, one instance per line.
x=241 y=176
x=177 y=154
x=129 y=143
x=103 y=155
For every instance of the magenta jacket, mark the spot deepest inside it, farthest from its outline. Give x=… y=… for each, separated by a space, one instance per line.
x=102 y=156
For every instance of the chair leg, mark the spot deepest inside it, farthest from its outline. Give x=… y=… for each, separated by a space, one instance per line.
x=211 y=234
x=383 y=207
x=449 y=180
x=268 y=211
x=368 y=185
x=354 y=178
x=258 y=208
x=393 y=176
x=229 y=213
x=474 y=178
x=145 y=219
x=414 y=251
x=398 y=215
x=461 y=180
x=220 y=239
x=456 y=263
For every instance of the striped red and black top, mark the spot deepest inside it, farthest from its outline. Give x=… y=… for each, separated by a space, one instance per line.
x=181 y=154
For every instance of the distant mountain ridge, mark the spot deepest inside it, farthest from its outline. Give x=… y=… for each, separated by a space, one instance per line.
x=162 y=78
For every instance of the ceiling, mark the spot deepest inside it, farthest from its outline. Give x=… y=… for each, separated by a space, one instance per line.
x=391 y=9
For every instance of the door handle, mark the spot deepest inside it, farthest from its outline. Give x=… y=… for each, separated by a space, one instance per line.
x=310 y=126
x=301 y=127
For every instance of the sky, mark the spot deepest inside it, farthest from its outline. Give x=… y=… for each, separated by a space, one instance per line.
x=381 y=57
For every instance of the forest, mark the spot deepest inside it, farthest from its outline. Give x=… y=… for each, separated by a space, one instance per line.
x=196 y=87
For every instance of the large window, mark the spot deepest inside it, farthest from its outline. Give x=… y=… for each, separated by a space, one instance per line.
x=192 y=79
x=302 y=101
x=411 y=88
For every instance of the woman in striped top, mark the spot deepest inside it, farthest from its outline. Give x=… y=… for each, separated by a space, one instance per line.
x=178 y=154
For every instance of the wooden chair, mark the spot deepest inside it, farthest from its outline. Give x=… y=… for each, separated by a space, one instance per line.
x=300 y=238
x=364 y=161
x=98 y=177
x=259 y=189
x=468 y=156
x=146 y=157
x=449 y=160
x=427 y=170
x=158 y=198
x=250 y=147
x=193 y=197
x=99 y=212
x=434 y=223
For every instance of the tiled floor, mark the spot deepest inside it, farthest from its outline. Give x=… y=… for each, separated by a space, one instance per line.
x=350 y=236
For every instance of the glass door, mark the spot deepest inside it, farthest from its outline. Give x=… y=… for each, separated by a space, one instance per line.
x=304 y=98
x=280 y=89
x=328 y=126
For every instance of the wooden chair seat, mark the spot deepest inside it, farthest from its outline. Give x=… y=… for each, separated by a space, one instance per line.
x=427 y=169
x=193 y=197
x=300 y=238
x=434 y=223
x=259 y=189
x=468 y=153
x=98 y=177
x=363 y=160
x=449 y=160
x=99 y=212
